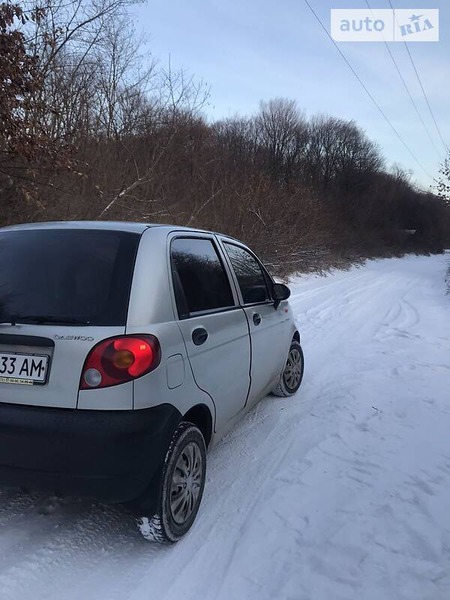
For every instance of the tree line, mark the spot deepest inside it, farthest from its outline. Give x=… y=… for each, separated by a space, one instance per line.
x=92 y=128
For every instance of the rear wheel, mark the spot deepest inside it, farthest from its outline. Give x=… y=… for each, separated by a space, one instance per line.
x=292 y=374
x=182 y=485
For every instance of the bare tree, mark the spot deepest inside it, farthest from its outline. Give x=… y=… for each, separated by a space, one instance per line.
x=93 y=127
x=282 y=132
x=443 y=185
x=20 y=135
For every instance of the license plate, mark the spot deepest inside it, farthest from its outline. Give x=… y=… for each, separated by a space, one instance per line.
x=25 y=369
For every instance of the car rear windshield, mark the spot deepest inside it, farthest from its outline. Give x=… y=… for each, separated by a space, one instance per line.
x=73 y=276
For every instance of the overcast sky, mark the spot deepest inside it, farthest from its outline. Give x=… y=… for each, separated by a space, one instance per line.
x=253 y=50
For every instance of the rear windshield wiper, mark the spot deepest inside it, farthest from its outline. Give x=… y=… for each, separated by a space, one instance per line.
x=43 y=319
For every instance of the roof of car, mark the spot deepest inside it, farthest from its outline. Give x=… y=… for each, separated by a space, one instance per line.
x=108 y=225
x=111 y=225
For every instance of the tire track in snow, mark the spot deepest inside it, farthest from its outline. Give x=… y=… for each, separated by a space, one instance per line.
x=339 y=492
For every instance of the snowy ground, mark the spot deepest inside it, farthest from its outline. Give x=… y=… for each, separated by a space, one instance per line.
x=342 y=492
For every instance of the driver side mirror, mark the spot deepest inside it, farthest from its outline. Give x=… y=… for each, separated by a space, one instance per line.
x=280 y=292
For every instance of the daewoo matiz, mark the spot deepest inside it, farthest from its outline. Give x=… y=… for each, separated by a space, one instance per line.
x=126 y=350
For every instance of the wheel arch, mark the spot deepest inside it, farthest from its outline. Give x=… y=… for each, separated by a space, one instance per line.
x=201 y=416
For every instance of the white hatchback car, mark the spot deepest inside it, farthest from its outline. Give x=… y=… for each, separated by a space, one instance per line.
x=126 y=350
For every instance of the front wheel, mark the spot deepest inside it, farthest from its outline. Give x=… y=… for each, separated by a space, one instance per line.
x=292 y=374
x=182 y=485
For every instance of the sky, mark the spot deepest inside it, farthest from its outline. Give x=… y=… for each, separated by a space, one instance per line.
x=250 y=51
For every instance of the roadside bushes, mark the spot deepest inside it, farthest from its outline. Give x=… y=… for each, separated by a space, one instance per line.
x=123 y=138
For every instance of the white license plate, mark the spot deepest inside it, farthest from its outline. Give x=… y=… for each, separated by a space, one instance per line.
x=25 y=369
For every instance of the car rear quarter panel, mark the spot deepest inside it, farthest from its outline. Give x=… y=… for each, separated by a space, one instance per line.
x=152 y=310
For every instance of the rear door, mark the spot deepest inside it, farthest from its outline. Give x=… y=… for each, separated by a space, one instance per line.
x=269 y=327
x=213 y=325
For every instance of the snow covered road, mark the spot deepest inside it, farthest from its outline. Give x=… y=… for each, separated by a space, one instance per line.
x=342 y=492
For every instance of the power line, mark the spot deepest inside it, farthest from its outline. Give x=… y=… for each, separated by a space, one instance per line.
x=423 y=89
x=405 y=85
x=367 y=91
x=426 y=98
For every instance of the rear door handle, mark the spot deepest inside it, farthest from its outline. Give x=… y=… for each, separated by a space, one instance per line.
x=199 y=336
x=256 y=318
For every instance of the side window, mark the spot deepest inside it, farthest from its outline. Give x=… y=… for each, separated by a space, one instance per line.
x=249 y=274
x=200 y=280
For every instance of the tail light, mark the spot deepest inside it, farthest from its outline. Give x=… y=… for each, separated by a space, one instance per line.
x=120 y=359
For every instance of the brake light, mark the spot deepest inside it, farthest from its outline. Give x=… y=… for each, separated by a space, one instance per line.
x=120 y=359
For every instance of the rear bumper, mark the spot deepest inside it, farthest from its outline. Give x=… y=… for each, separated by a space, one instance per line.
x=110 y=455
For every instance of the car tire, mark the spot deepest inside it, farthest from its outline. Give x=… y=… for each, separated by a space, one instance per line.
x=181 y=489
x=292 y=375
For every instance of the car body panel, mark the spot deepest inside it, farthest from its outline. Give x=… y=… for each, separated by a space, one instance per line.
x=270 y=346
x=71 y=346
x=116 y=397
x=221 y=366
x=271 y=331
x=226 y=349
x=103 y=225
x=152 y=389
x=150 y=301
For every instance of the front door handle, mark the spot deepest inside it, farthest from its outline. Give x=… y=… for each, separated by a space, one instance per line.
x=199 y=336
x=256 y=318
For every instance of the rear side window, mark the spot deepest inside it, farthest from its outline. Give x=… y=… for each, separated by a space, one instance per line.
x=66 y=275
x=249 y=274
x=200 y=281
